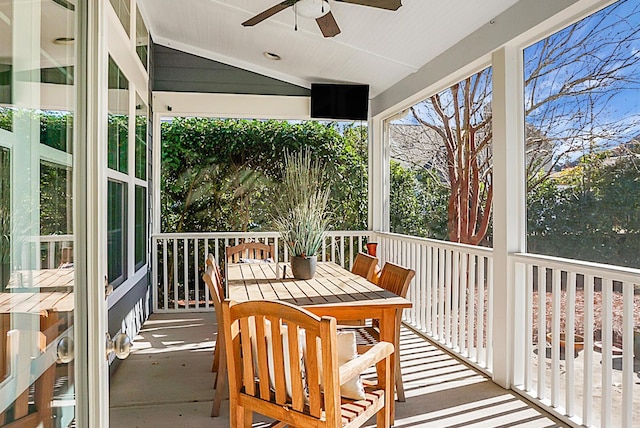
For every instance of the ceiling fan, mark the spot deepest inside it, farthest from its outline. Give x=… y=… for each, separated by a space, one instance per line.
x=326 y=21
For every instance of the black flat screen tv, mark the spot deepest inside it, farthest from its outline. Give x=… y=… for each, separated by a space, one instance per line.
x=334 y=101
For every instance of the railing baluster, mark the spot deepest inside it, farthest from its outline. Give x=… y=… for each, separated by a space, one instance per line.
x=627 y=354
x=480 y=348
x=435 y=291
x=206 y=253
x=412 y=285
x=165 y=277
x=528 y=322
x=421 y=287
x=196 y=271
x=455 y=288
x=324 y=249
x=441 y=315
x=447 y=295
x=588 y=351
x=332 y=256
x=175 y=273
x=428 y=286
x=607 y=351
x=555 y=338
x=471 y=312
x=489 y=348
x=185 y=262
x=542 y=330
x=154 y=272
x=462 y=307
x=570 y=305
x=51 y=259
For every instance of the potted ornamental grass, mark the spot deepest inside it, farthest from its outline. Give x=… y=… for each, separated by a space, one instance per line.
x=301 y=215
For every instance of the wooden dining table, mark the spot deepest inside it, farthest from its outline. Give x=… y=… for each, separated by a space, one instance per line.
x=333 y=291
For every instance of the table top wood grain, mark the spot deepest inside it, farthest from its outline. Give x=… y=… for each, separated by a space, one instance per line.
x=61 y=278
x=331 y=286
x=36 y=291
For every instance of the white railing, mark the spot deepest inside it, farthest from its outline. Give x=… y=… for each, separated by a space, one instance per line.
x=591 y=383
x=452 y=305
x=451 y=292
x=178 y=261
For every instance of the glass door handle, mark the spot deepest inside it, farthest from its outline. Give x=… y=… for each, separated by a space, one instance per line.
x=64 y=350
x=120 y=345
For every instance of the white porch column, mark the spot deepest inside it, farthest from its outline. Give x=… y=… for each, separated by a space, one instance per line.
x=509 y=210
x=378 y=176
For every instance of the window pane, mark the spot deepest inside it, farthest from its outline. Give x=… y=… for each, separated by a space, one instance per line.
x=55 y=199
x=141 y=226
x=441 y=165
x=116 y=232
x=142 y=39
x=141 y=139
x=56 y=130
x=118 y=118
x=582 y=106
x=122 y=8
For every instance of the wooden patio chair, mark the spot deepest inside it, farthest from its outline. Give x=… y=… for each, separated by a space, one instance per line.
x=264 y=337
x=211 y=277
x=395 y=279
x=249 y=251
x=21 y=413
x=364 y=265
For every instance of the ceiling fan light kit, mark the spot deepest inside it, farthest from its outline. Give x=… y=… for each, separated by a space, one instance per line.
x=320 y=10
x=312 y=9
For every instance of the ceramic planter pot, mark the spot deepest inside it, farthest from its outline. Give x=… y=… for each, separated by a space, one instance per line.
x=303 y=268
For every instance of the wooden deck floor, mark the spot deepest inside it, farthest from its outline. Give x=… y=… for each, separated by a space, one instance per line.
x=167 y=382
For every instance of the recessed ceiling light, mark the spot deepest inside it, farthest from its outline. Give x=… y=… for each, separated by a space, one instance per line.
x=271 y=56
x=64 y=40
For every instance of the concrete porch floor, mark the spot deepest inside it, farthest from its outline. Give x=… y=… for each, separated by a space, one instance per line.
x=167 y=382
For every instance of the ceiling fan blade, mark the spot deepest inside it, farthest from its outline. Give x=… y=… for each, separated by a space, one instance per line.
x=328 y=25
x=268 y=13
x=380 y=4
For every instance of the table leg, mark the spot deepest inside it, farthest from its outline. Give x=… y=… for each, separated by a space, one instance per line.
x=387 y=334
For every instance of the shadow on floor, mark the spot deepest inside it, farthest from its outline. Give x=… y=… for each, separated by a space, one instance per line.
x=167 y=382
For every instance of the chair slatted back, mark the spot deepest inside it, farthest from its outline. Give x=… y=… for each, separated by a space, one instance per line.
x=212 y=278
x=211 y=261
x=364 y=265
x=254 y=349
x=396 y=279
x=249 y=250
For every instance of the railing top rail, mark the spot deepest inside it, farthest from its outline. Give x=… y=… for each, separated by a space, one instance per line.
x=617 y=273
x=204 y=235
x=53 y=238
x=350 y=232
x=454 y=246
x=270 y=234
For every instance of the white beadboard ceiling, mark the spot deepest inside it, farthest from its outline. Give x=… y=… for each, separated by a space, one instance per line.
x=376 y=47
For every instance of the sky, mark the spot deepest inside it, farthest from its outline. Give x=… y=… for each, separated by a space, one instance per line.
x=607 y=42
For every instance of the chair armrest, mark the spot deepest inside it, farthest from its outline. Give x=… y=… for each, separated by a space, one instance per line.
x=353 y=368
